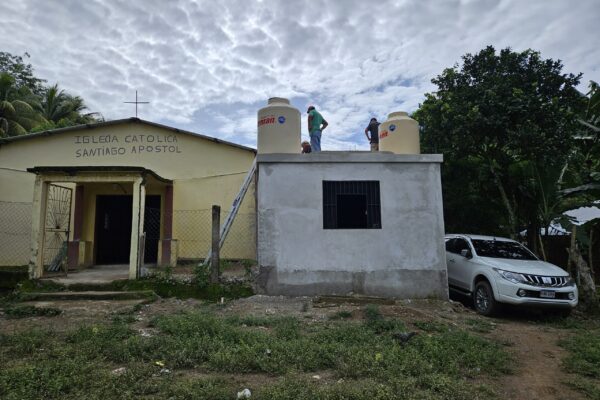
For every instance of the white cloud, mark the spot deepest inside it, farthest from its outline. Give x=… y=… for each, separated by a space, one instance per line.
x=208 y=66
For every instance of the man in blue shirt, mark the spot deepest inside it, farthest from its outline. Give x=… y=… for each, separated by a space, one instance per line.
x=316 y=123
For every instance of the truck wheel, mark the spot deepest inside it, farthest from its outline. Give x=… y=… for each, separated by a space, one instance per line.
x=483 y=299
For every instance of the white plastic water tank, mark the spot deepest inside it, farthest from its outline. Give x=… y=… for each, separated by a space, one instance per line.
x=278 y=127
x=399 y=134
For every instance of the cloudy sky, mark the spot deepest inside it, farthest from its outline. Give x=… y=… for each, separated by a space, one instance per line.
x=208 y=66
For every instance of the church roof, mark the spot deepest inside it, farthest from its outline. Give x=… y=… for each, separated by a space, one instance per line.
x=118 y=122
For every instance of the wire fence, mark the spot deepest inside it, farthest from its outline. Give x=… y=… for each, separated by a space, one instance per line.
x=15 y=233
x=193 y=231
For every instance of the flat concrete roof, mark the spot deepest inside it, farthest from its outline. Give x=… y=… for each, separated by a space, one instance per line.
x=349 y=157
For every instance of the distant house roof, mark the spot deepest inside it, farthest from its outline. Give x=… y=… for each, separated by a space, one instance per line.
x=578 y=216
x=583 y=215
x=118 y=122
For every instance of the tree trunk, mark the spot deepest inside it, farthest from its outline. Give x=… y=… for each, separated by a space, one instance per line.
x=572 y=246
x=591 y=251
x=512 y=221
x=533 y=230
x=542 y=248
x=587 y=289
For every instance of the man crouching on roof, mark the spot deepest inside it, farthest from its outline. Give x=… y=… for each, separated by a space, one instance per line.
x=306 y=147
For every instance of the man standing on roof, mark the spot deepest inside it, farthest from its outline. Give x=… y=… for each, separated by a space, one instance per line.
x=373 y=128
x=316 y=123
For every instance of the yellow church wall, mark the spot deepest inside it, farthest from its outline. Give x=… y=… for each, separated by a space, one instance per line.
x=16 y=185
x=192 y=217
x=173 y=155
x=16 y=193
x=203 y=172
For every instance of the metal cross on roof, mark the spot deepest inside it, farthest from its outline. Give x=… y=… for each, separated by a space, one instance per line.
x=136 y=102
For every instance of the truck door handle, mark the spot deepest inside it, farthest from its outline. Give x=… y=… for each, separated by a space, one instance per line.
x=451 y=260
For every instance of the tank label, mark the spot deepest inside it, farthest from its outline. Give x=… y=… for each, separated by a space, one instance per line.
x=281 y=119
x=392 y=127
x=383 y=134
x=269 y=119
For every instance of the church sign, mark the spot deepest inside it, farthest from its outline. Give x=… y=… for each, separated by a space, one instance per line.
x=113 y=145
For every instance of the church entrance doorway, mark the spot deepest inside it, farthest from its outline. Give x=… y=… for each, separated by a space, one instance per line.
x=113 y=228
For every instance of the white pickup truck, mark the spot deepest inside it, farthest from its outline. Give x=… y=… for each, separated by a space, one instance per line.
x=495 y=270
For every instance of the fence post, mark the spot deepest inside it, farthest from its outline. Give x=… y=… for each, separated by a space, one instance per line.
x=216 y=233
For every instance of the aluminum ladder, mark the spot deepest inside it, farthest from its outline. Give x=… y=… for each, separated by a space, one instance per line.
x=235 y=206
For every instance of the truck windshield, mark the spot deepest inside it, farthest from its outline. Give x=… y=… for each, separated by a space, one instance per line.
x=502 y=249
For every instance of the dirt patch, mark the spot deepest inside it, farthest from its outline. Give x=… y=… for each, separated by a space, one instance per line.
x=538 y=374
x=144 y=313
x=229 y=269
x=74 y=312
x=410 y=312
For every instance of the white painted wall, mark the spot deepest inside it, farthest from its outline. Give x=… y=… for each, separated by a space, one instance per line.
x=291 y=237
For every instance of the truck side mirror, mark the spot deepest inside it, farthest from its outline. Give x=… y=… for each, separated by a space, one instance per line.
x=466 y=253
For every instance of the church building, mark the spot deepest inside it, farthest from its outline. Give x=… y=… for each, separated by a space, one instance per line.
x=128 y=192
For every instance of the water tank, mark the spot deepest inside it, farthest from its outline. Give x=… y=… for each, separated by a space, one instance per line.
x=399 y=134
x=278 y=127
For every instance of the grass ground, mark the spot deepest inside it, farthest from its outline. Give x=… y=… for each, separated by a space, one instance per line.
x=291 y=348
x=584 y=359
x=205 y=354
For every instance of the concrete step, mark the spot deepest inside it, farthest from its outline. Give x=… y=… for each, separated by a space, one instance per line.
x=89 y=295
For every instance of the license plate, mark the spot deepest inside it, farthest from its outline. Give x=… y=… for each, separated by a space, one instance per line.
x=547 y=294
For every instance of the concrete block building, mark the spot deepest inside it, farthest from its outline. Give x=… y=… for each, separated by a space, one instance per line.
x=351 y=222
x=335 y=223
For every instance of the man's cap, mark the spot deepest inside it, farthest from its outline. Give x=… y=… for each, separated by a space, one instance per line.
x=310 y=108
x=373 y=119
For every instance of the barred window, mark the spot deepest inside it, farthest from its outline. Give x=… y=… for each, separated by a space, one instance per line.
x=351 y=205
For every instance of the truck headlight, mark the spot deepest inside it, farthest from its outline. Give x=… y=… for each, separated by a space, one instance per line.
x=511 y=276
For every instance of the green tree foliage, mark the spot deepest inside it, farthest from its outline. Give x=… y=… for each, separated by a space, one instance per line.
x=504 y=122
x=17 y=112
x=16 y=67
x=26 y=105
x=55 y=104
x=588 y=148
x=586 y=190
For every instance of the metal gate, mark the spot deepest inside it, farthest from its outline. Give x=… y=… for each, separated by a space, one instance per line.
x=56 y=230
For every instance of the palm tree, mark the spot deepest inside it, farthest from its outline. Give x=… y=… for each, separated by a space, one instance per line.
x=17 y=108
x=78 y=106
x=63 y=109
x=55 y=104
